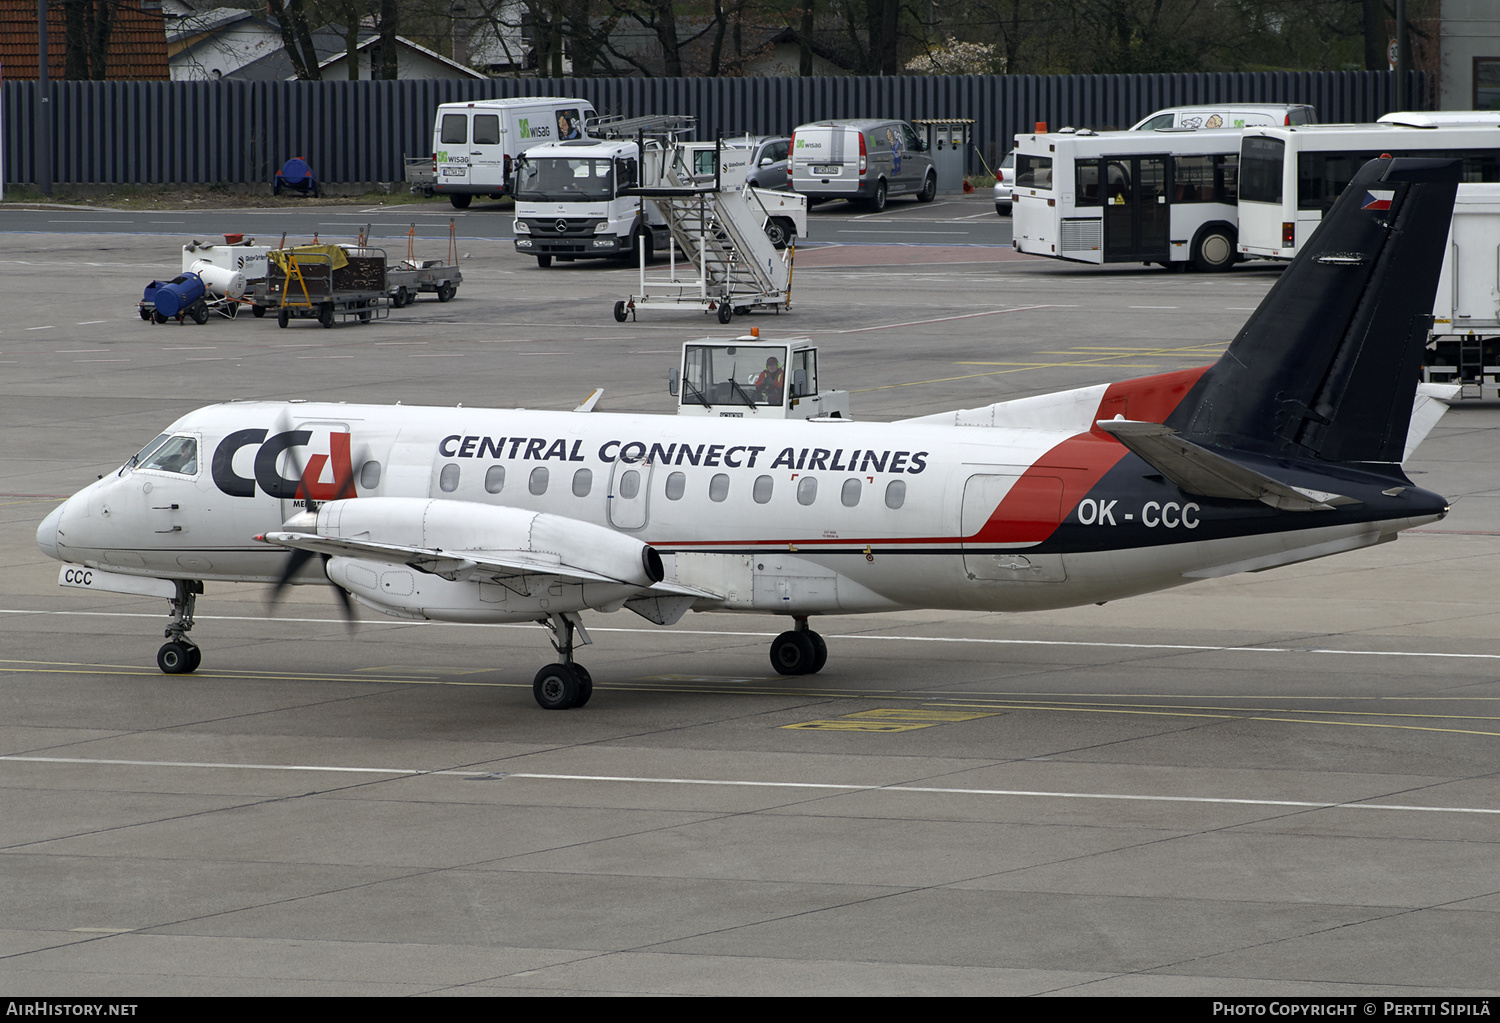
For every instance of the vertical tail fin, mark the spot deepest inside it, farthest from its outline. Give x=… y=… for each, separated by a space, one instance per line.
x=1326 y=368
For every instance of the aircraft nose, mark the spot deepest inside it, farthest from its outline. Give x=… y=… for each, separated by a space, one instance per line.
x=46 y=533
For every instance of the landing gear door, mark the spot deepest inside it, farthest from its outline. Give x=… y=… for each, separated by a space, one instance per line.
x=996 y=547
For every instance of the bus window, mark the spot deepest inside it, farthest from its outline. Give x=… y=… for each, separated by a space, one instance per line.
x=1260 y=169
x=1087 y=175
x=1205 y=178
x=1033 y=171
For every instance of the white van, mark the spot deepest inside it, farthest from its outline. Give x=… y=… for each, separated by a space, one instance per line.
x=865 y=161
x=1229 y=115
x=474 y=145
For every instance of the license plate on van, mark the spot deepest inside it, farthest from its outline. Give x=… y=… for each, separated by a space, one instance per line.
x=829 y=168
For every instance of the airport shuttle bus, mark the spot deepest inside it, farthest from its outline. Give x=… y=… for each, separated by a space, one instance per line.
x=1290 y=176
x=1165 y=196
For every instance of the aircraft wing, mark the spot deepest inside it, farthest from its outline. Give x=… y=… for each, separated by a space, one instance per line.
x=488 y=566
x=1197 y=470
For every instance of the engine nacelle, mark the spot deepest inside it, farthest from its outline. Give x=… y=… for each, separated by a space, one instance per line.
x=541 y=542
x=404 y=592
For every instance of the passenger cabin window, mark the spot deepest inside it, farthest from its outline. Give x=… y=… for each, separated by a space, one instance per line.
x=807 y=490
x=538 y=482
x=494 y=479
x=849 y=495
x=718 y=487
x=455 y=129
x=583 y=482
x=369 y=475
x=629 y=484
x=676 y=485
x=895 y=494
x=448 y=478
x=762 y=489
x=176 y=454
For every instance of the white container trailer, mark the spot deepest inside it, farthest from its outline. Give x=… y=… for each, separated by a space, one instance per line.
x=1464 y=344
x=475 y=145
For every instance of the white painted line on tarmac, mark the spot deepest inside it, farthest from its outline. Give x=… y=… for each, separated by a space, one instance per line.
x=888 y=637
x=945 y=319
x=603 y=779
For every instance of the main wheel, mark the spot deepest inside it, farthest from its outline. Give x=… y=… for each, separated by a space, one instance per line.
x=282 y=318
x=446 y=291
x=876 y=202
x=556 y=687
x=929 y=189
x=793 y=653
x=820 y=652
x=460 y=202
x=195 y=657
x=585 y=685
x=544 y=261
x=176 y=657
x=1213 y=249
x=725 y=312
x=620 y=312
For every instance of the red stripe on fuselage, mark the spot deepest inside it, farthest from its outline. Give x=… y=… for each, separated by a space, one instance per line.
x=1047 y=493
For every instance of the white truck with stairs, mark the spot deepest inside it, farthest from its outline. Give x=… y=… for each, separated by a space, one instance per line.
x=731 y=264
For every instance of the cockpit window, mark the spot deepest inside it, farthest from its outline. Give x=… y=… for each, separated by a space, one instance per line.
x=176 y=454
x=148 y=450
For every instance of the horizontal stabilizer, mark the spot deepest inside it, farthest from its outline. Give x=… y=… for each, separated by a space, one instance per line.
x=1197 y=470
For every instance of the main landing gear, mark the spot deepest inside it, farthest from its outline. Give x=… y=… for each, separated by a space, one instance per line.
x=800 y=651
x=180 y=655
x=564 y=685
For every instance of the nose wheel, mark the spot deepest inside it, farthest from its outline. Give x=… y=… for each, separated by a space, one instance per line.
x=180 y=655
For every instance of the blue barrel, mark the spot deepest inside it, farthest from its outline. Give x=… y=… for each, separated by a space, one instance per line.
x=174 y=297
x=296 y=173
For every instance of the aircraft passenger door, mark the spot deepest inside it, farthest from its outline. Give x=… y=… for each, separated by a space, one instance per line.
x=1032 y=506
x=628 y=500
x=1137 y=211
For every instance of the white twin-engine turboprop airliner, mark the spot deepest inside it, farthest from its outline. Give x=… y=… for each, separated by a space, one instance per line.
x=1287 y=449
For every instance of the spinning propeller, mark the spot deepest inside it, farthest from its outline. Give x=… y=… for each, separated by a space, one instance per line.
x=308 y=489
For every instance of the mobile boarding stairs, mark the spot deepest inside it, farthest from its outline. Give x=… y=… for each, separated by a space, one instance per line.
x=731 y=266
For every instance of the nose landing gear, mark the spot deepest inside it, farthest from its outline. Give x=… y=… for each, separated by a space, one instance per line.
x=180 y=655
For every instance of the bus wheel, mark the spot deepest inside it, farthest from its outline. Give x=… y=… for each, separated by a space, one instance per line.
x=1213 y=249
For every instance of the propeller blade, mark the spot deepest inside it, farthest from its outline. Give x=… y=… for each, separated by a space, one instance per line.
x=294 y=563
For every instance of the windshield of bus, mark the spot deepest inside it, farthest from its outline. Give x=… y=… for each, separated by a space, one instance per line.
x=734 y=375
x=553 y=177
